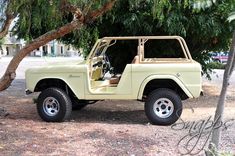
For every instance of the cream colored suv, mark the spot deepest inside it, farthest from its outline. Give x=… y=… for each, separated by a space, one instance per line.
x=161 y=80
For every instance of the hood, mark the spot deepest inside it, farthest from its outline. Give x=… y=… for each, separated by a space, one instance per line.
x=59 y=67
x=67 y=62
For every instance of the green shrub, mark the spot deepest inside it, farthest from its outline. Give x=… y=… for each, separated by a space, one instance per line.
x=216 y=65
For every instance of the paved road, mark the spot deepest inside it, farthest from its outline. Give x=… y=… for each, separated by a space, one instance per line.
x=217 y=75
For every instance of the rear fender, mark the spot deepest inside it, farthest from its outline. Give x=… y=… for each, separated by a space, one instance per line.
x=154 y=77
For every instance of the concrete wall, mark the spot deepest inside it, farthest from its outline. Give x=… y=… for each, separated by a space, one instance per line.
x=52 y=48
x=10 y=50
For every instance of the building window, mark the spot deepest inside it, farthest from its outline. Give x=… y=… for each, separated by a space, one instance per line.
x=52 y=50
x=44 y=49
x=62 y=50
x=7 y=49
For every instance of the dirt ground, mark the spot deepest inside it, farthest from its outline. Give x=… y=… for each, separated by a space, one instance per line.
x=110 y=127
x=105 y=128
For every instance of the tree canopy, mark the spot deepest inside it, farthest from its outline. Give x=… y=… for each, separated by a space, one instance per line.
x=203 y=23
x=204 y=28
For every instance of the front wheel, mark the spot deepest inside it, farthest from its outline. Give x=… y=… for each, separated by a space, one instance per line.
x=54 y=105
x=163 y=107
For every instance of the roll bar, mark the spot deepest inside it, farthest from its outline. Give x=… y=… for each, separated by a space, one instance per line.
x=142 y=40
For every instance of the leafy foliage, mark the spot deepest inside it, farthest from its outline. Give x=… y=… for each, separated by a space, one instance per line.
x=231 y=16
x=216 y=65
x=204 y=28
x=36 y=17
x=202 y=23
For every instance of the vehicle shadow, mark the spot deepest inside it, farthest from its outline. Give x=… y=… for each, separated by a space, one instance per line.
x=96 y=114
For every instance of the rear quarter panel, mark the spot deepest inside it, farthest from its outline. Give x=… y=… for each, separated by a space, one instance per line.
x=186 y=75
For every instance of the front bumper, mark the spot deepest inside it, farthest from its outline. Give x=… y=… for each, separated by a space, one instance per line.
x=27 y=92
x=202 y=93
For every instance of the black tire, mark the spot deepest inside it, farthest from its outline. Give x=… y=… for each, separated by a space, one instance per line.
x=163 y=107
x=56 y=100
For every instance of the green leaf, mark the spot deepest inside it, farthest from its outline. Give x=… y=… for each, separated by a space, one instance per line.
x=231 y=16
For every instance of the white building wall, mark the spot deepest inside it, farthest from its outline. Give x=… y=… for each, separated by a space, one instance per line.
x=53 y=48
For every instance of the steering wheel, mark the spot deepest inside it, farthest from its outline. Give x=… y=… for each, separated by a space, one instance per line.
x=107 y=65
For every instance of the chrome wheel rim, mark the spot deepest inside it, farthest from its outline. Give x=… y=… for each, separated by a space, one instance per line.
x=163 y=108
x=51 y=106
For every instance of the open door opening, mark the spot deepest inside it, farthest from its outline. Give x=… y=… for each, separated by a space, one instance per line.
x=107 y=65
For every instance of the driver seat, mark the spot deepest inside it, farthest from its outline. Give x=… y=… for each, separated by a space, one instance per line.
x=96 y=74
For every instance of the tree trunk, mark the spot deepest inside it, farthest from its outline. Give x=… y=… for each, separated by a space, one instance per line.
x=9 y=75
x=77 y=23
x=218 y=118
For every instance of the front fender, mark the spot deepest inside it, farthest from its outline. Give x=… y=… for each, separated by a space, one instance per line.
x=74 y=82
x=171 y=77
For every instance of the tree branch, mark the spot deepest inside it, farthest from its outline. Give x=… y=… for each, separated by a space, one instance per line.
x=219 y=113
x=88 y=7
x=232 y=53
x=9 y=18
x=93 y=15
x=68 y=7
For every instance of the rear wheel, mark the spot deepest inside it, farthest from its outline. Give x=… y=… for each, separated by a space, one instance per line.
x=54 y=105
x=163 y=107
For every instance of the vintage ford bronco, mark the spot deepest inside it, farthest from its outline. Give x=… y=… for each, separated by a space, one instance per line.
x=162 y=82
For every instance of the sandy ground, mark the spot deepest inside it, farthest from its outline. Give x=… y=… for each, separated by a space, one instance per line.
x=109 y=127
